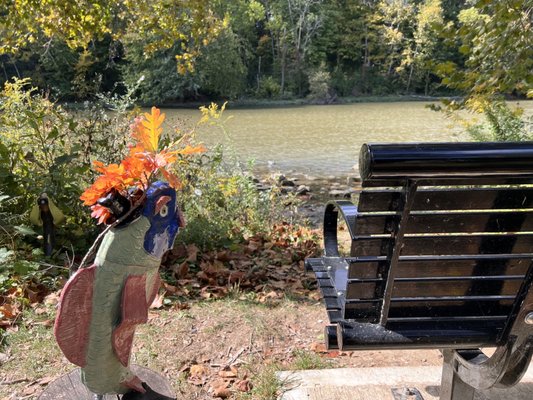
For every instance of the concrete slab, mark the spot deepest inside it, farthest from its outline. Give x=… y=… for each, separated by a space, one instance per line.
x=376 y=384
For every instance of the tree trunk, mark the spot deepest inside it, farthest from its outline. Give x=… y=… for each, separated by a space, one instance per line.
x=283 y=66
x=410 y=78
x=426 y=89
x=258 y=72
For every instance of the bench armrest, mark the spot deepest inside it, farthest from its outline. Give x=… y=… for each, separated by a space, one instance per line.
x=349 y=213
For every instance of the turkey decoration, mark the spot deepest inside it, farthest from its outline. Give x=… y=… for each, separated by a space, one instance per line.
x=101 y=305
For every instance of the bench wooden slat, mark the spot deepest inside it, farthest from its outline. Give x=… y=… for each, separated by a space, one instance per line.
x=446 y=245
x=368 y=309
x=444 y=268
x=458 y=181
x=448 y=199
x=448 y=223
x=366 y=336
x=469 y=287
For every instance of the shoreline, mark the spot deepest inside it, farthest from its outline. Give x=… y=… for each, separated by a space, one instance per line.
x=301 y=102
x=251 y=103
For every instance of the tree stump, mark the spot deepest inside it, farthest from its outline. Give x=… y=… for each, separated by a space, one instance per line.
x=69 y=386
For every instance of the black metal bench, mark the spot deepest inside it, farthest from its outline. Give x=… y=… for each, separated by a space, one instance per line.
x=441 y=258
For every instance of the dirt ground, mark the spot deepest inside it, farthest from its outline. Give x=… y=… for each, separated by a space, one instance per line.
x=214 y=349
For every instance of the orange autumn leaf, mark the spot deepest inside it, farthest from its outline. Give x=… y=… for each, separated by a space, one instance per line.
x=140 y=167
x=172 y=179
x=191 y=150
x=147 y=131
x=100 y=212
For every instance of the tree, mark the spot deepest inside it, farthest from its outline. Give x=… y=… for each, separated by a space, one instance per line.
x=78 y=22
x=293 y=25
x=497 y=43
x=421 y=53
x=221 y=66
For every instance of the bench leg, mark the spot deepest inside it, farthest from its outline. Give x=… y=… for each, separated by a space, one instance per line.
x=452 y=386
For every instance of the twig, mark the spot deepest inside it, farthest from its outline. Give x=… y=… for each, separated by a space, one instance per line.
x=50 y=266
x=14 y=381
x=107 y=229
x=234 y=358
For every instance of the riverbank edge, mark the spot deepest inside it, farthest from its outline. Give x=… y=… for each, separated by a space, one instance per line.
x=250 y=103
x=278 y=103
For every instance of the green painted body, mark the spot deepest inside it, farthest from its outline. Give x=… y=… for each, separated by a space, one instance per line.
x=120 y=255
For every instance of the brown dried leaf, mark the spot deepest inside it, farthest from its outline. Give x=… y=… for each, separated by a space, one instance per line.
x=243 y=386
x=227 y=374
x=192 y=253
x=158 y=301
x=221 y=392
x=318 y=347
x=198 y=370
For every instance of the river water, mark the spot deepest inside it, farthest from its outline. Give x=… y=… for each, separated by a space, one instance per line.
x=323 y=141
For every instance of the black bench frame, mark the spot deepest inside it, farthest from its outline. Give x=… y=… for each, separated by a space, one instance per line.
x=494 y=310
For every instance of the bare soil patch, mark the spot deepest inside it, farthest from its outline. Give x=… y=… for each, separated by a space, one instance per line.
x=214 y=349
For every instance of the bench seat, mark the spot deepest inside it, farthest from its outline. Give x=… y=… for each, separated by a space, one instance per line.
x=441 y=257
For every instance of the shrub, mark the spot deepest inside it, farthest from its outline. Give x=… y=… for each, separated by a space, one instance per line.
x=222 y=204
x=502 y=125
x=319 y=85
x=268 y=88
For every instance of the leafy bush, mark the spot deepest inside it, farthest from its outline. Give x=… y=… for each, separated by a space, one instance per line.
x=268 y=88
x=222 y=204
x=319 y=85
x=502 y=125
x=45 y=148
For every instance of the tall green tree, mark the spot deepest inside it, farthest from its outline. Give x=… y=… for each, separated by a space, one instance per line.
x=420 y=54
x=192 y=23
x=497 y=44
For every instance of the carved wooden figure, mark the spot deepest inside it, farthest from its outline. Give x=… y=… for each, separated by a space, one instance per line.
x=100 y=306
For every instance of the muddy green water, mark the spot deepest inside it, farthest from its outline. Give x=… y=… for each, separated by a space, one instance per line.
x=324 y=141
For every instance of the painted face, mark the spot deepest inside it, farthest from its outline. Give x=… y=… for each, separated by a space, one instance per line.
x=161 y=209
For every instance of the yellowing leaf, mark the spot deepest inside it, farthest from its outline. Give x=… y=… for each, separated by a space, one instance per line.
x=191 y=150
x=147 y=131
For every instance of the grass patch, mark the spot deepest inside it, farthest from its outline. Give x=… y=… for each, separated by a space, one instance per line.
x=266 y=385
x=304 y=359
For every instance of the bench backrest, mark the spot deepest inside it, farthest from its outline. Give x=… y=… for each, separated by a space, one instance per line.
x=442 y=238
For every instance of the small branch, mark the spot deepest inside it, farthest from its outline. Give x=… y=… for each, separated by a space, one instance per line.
x=236 y=356
x=107 y=229
x=14 y=381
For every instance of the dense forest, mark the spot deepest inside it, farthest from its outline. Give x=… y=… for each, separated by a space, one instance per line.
x=269 y=49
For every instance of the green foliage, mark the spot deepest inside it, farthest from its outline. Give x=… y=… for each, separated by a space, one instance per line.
x=268 y=88
x=45 y=148
x=79 y=22
x=222 y=204
x=305 y=359
x=496 y=41
x=160 y=78
x=502 y=125
x=230 y=49
x=221 y=66
x=319 y=85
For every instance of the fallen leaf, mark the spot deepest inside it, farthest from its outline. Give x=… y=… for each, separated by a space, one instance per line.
x=198 y=370
x=221 y=392
x=318 y=347
x=243 y=386
x=227 y=374
x=158 y=301
x=192 y=253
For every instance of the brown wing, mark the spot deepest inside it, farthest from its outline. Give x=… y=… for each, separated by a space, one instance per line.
x=71 y=327
x=134 y=310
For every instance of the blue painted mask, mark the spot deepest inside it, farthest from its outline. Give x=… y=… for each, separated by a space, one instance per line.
x=162 y=211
